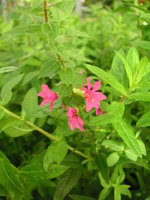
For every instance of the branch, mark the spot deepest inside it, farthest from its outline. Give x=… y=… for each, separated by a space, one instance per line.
x=48 y=135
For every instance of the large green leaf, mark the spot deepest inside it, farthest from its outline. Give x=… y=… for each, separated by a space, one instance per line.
x=108 y=78
x=142 y=43
x=10 y=180
x=34 y=170
x=127 y=134
x=66 y=6
x=66 y=182
x=80 y=197
x=55 y=153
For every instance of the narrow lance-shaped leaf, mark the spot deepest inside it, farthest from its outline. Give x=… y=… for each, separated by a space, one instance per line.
x=127 y=68
x=127 y=134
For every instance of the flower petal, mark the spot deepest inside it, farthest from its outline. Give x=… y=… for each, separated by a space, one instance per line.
x=97 y=85
x=45 y=101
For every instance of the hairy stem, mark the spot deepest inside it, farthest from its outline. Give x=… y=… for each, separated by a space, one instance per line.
x=45 y=11
x=45 y=133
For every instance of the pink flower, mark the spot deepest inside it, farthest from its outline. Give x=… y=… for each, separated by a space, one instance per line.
x=74 y=120
x=99 y=111
x=48 y=96
x=91 y=95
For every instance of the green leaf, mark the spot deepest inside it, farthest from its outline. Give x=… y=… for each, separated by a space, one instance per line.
x=144 y=121
x=113 y=145
x=133 y=58
x=131 y=155
x=104 y=193
x=67 y=76
x=141 y=70
x=6 y=93
x=146 y=17
x=1 y=114
x=79 y=197
x=7 y=69
x=66 y=6
x=10 y=180
x=34 y=170
x=55 y=153
x=66 y=182
x=141 y=43
x=17 y=130
x=127 y=134
x=50 y=68
x=108 y=78
x=118 y=175
x=112 y=159
x=118 y=70
x=30 y=104
x=114 y=112
x=100 y=161
x=121 y=189
x=127 y=68
x=138 y=96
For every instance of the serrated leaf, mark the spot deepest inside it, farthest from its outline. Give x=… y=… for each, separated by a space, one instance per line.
x=127 y=134
x=108 y=78
x=55 y=153
x=66 y=182
x=50 y=68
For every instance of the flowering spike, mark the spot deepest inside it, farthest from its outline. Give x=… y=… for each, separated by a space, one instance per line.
x=48 y=96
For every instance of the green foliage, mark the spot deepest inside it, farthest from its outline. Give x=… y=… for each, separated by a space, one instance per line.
x=110 y=159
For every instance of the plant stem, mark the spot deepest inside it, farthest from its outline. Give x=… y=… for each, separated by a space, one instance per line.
x=48 y=135
x=45 y=11
x=61 y=60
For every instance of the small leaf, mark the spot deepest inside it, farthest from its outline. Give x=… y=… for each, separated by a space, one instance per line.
x=142 y=43
x=108 y=78
x=104 y=193
x=55 y=153
x=66 y=6
x=66 y=182
x=112 y=159
x=138 y=96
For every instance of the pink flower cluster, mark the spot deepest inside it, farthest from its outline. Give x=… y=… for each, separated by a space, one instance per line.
x=91 y=95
